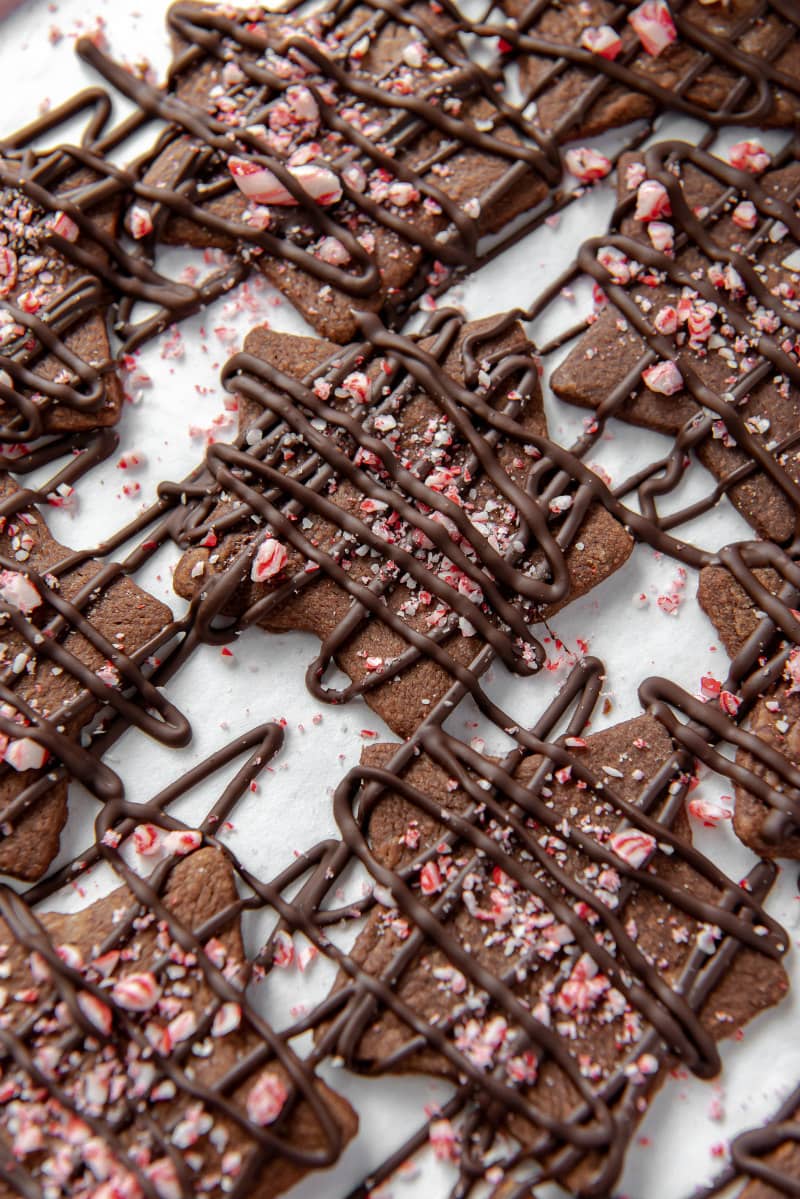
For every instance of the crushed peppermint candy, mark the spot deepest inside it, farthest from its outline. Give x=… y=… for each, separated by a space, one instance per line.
x=266 y=1099
x=602 y=40
x=270 y=559
x=18 y=590
x=711 y=811
x=586 y=164
x=632 y=846
x=664 y=378
x=652 y=201
x=261 y=186
x=749 y=156
x=136 y=992
x=653 y=25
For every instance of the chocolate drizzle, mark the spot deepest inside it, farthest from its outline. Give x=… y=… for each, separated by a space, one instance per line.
x=727 y=66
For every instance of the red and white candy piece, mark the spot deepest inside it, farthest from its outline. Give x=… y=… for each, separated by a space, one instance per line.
x=216 y=952
x=442 y=1137
x=616 y=262
x=18 y=590
x=663 y=378
x=8 y=270
x=282 y=949
x=698 y=322
x=164 y=1177
x=182 y=1027
x=791 y=671
x=266 y=1099
x=260 y=185
x=23 y=753
x=354 y=177
x=653 y=25
x=632 y=846
x=302 y=104
x=357 y=384
x=95 y=1011
x=744 y=215
x=106 y=963
x=749 y=156
x=430 y=879
x=402 y=194
x=662 y=236
x=182 y=841
x=415 y=55
x=139 y=222
x=635 y=173
x=710 y=811
x=602 y=40
x=729 y=703
x=583 y=988
x=227 y=1019
x=726 y=278
x=652 y=201
x=270 y=559
x=196 y=1123
x=306 y=956
x=30 y=301
x=332 y=251
x=136 y=992
x=70 y=955
x=587 y=164
x=98 y=1157
x=666 y=319
x=257 y=216
x=64 y=226
x=147 y=840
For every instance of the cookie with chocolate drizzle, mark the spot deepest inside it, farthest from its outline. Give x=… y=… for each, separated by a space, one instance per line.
x=387 y=498
x=133 y=1063
x=356 y=155
x=752 y=600
x=546 y=935
x=590 y=65
x=699 y=339
x=56 y=368
x=75 y=636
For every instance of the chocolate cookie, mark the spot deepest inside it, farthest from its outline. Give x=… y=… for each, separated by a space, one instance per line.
x=395 y=499
x=133 y=1062
x=546 y=934
x=356 y=156
x=76 y=634
x=56 y=369
x=82 y=264
x=589 y=65
x=699 y=337
x=755 y=613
